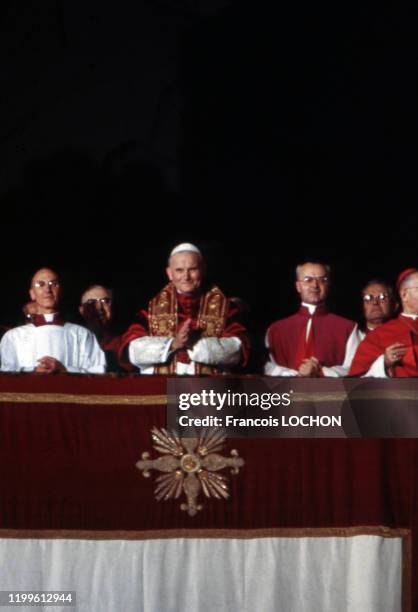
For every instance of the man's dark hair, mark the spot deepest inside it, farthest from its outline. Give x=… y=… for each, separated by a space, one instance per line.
x=380 y=281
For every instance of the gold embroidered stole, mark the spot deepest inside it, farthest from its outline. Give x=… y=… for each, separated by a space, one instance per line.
x=163 y=321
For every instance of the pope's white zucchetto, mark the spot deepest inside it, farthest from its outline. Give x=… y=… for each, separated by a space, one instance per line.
x=185 y=246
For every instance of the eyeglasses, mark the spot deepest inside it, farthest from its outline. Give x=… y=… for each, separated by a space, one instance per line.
x=380 y=297
x=41 y=283
x=94 y=301
x=310 y=279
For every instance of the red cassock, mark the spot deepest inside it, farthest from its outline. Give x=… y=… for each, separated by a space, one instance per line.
x=187 y=307
x=110 y=345
x=110 y=342
x=404 y=330
x=327 y=339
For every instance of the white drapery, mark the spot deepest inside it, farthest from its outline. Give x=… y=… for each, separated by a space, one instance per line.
x=360 y=573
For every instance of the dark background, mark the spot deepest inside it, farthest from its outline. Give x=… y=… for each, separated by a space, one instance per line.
x=265 y=136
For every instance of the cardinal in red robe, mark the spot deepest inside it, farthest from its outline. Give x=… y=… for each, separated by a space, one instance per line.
x=392 y=348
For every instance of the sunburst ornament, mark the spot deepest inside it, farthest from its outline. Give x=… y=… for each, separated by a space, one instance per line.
x=190 y=464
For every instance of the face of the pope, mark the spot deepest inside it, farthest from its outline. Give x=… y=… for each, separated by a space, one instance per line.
x=312 y=283
x=378 y=305
x=409 y=295
x=96 y=306
x=45 y=291
x=185 y=271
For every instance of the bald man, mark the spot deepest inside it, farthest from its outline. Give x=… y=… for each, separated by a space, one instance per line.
x=186 y=329
x=47 y=344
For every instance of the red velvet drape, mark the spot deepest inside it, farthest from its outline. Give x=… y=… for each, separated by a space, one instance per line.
x=72 y=466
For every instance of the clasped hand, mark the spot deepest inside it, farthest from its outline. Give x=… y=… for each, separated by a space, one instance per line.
x=184 y=337
x=310 y=368
x=49 y=365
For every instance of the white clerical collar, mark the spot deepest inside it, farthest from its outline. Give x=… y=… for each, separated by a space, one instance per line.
x=410 y=316
x=310 y=307
x=49 y=316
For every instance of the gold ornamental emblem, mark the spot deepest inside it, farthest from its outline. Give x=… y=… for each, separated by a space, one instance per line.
x=190 y=465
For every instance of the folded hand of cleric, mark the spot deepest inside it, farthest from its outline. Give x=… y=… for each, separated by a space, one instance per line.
x=310 y=368
x=49 y=365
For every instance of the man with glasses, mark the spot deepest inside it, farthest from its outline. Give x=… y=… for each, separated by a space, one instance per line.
x=96 y=309
x=47 y=344
x=313 y=342
x=391 y=350
x=379 y=304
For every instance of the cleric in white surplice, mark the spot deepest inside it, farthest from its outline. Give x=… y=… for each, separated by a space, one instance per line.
x=47 y=344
